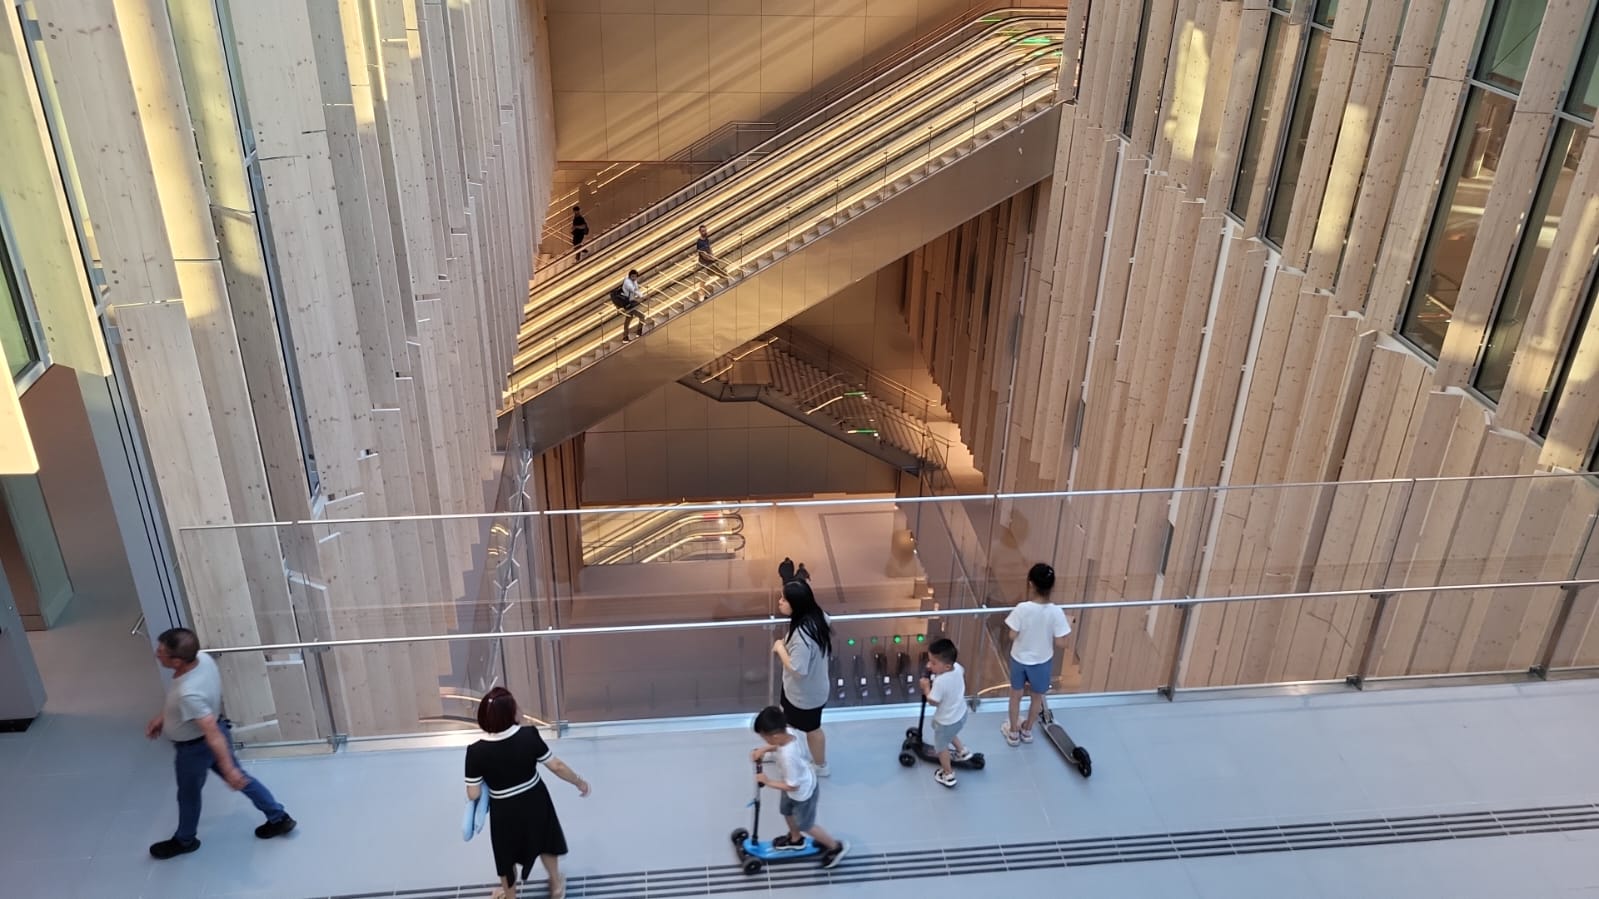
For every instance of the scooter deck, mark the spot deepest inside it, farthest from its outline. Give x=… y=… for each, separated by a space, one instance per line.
x=1076 y=755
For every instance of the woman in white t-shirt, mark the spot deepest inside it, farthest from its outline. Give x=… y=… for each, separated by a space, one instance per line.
x=1038 y=628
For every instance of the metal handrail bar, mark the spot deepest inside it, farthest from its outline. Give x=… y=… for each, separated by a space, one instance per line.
x=801 y=503
x=896 y=616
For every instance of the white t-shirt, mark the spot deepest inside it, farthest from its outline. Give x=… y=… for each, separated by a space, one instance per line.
x=1037 y=625
x=949 y=692
x=793 y=762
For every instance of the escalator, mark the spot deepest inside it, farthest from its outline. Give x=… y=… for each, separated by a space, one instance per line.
x=668 y=534
x=914 y=152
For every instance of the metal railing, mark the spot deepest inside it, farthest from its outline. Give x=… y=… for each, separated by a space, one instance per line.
x=1173 y=590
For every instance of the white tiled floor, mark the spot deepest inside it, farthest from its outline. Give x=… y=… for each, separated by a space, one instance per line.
x=82 y=794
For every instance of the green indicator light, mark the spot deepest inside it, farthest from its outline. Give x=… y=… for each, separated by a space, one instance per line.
x=855 y=393
x=921 y=638
x=1036 y=40
x=874 y=641
x=852 y=641
x=898 y=639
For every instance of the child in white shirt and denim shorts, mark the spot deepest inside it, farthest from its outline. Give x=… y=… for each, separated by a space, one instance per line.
x=1039 y=628
x=945 y=690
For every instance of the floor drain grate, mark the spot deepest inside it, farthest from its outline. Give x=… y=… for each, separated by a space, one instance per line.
x=866 y=868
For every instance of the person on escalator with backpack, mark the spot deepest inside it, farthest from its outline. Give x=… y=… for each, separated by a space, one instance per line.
x=626 y=299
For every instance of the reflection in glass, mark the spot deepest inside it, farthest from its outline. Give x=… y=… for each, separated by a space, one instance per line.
x=1557 y=389
x=1282 y=197
x=1138 y=71
x=1507 y=46
x=1470 y=176
x=1259 y=115
x=15 y=334
x=1583 y=97
x=1326 y=12
x=1527 y=271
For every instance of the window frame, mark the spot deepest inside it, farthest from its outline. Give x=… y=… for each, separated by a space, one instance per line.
x=28 y=314
x=1474 y=86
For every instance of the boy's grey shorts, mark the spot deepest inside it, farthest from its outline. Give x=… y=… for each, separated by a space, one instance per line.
x=945 y=734
x=803 y=813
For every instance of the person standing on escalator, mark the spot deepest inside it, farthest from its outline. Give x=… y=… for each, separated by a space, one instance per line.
x=626 y=299
x=805 y=653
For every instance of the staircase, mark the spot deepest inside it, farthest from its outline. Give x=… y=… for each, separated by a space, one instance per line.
x=827 y=391
x=912 y=153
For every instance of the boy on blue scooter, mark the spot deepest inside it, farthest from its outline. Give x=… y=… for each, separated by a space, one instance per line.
x=796 y=780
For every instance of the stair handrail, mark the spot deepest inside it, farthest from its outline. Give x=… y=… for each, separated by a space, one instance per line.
x=828 y=358
x=810 y=114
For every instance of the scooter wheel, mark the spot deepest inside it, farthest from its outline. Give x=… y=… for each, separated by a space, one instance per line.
x=978 y=762
x=912 y=733
x=753 y=866
x=739 y=836
x=1085 y=764
x=906 y=759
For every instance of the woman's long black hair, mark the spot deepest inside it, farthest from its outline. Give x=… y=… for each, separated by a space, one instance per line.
x=805 y=616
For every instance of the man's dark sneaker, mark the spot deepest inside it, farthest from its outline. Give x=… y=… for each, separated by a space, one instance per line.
x=275 y=828
x=833 y=856
x=173 y=848
x=785 y=843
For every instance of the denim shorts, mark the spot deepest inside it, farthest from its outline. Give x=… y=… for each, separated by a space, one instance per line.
x=803 y=813
x=1034 y=676
x=944 y=734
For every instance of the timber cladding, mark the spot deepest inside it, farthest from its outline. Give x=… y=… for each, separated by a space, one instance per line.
x=316 y=224
x=1160 y=342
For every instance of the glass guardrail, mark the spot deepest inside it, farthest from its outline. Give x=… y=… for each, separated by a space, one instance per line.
x=364 y=628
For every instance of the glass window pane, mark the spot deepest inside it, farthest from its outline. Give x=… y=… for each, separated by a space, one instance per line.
x=1527 y=270
x=1282 y=197
x=16 y=336
x=1583 y=97
x=1472 y=167
x=1507 y=47
x=1260 y=113
x=1568 y=354
x=1326 y=11
x=1138 y=71
x=1284 y=5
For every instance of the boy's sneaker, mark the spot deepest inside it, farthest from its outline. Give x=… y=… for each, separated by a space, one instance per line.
x=965 y=755
x=784 y=843
x=947 y=780
x=1026 y=735
x=833 y=856
x=821 y=770
x=1010 y=736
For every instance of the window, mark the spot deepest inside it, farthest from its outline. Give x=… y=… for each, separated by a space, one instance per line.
x=1293 y=154
x=1269 y=142
x=17 y=335
x=1260 y=112
x=1507 y=41
x=1527 y=270
x=1138 y=71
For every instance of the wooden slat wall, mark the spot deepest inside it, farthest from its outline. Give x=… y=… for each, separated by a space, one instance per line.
x=1198 y=356
x=402 y=148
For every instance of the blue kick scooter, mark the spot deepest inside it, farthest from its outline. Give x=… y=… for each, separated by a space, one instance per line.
x=754 y=853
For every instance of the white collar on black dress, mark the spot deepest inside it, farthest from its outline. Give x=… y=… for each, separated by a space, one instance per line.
x=504 y=734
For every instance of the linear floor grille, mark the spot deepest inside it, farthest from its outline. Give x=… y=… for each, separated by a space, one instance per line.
x=1080 y=852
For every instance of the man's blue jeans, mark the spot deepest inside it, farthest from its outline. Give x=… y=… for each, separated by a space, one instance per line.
x=192 y=762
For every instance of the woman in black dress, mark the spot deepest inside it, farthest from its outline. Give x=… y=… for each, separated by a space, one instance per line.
x=522 y=820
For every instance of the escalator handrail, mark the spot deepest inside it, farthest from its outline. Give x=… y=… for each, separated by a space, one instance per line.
x=809 y=115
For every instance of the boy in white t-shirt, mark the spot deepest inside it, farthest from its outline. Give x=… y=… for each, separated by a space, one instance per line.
x=796 y=780
x=945 y=689
x=1038 y=627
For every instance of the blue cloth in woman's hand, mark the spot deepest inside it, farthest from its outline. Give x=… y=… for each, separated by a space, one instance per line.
x=476 y=813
